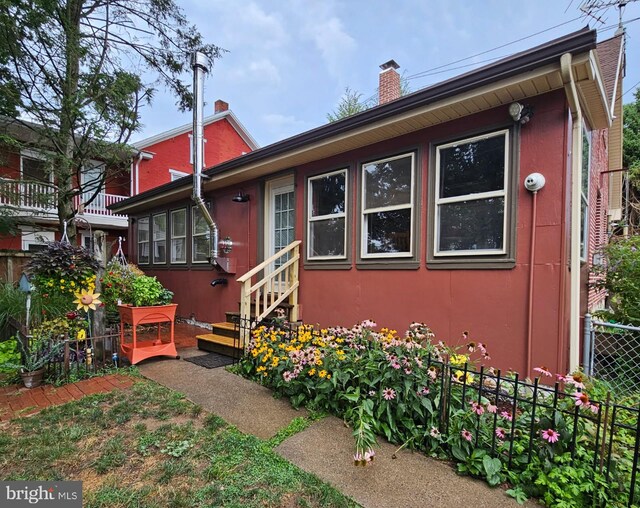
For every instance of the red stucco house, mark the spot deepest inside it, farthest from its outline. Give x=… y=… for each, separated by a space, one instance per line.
x=166 y=157
x=159 y=159
x=417 y=210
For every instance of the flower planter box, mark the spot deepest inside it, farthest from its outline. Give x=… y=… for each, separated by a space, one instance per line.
x=136 y=350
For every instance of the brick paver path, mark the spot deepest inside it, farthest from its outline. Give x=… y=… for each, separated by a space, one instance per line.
x=17 y=401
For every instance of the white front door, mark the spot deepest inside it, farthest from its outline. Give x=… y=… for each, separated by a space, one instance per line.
x=279 y=217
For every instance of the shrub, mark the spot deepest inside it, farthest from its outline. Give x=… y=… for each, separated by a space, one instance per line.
x=621 y=278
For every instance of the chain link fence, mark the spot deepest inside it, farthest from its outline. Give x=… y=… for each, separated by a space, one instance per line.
x=612 y=354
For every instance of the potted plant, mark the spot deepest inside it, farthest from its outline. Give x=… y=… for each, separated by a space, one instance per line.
x=150 y=303
x=34 y=358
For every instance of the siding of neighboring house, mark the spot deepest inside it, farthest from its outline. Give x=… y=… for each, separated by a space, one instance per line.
x=116 y=185
x=223 y=143
x=598 y=210
x=489 y=303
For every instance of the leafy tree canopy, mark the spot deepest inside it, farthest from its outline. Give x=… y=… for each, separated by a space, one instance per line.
x=72 y=70
x=631 y=154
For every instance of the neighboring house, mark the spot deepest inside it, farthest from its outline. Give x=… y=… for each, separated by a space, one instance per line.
x=27 y=188
x=166 y=157
x=28 y=191
x=416 y=210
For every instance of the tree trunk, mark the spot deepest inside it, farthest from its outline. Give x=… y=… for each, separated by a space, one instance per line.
x=68 y=111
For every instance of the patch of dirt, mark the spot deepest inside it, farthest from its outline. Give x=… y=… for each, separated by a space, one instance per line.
x=153 y=424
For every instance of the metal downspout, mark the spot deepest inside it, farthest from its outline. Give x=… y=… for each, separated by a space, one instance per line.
x=576 y=181
x=199 y=66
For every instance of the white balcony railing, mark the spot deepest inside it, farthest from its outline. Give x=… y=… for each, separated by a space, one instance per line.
x=42 y=197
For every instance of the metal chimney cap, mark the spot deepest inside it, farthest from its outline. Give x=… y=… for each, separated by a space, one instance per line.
x=391 y=64
x=199 y=59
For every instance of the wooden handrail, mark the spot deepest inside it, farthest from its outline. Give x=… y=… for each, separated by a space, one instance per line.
x=272 y=290
x=268 y=261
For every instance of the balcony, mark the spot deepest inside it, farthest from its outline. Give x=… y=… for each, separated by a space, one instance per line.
x=38 y=200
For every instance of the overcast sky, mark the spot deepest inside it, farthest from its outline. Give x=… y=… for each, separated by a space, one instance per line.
x=289 y=61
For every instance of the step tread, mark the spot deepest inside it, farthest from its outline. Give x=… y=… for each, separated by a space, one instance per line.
x=225 y=325
x=218 y=339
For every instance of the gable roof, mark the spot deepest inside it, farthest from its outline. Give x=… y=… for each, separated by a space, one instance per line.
x=177 y=131
x=611 y=58
x=521 y=75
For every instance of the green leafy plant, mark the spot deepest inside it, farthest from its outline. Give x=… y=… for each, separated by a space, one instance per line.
x=35 y=356
x=620 y=276
x=13 y=304
x=9 y=355
x=147 y=291
x=62 y=269
x=432 y=397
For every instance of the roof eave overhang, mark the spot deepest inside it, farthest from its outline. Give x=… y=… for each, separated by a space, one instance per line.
x=386 y=122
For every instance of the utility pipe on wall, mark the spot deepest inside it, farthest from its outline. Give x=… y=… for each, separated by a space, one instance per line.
x=199 y=66
x=576 y=170
x=532 y=258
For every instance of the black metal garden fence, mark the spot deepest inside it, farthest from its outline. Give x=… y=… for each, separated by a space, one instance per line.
x=601 y=436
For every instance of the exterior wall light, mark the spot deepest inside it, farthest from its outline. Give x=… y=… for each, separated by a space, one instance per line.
x=240 y=197
x=520 y=113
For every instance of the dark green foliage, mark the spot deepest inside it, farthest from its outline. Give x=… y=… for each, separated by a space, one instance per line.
x=621 y=278
x=75 y=69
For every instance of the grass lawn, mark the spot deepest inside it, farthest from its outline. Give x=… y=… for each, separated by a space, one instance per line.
x=149 y=447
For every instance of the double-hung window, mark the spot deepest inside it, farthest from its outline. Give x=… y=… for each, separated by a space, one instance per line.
x=199 y=237
x=179 y=236
x=388 y=207
x=472 y=179
x=327 y=211
x=160 y=238
x=143 y=241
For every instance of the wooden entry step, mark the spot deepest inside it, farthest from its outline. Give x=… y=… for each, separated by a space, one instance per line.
x=222 y=339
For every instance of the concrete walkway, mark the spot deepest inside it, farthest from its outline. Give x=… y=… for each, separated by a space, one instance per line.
x=326 y=447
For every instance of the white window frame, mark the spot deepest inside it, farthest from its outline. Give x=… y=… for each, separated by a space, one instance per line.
x=32 y=236
x=156 y=240
x=33 y=154
x=195 y=210
x=364 y=212
x=311 y=218
x=148 y=241
x=174 y=174
x=473 y=197
x=584 y=199
x=173 y=236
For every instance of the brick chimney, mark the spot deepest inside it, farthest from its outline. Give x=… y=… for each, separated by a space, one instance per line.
x=220 y=106
x=389 y=88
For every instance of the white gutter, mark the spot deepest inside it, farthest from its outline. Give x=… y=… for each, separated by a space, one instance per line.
x=576 y=182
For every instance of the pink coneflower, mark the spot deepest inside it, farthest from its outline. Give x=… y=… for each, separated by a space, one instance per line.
x=506 y=415
x=550 y=435
x=471 y=347
x=389 y=394
x=594 y=409
x=434 y=432
x=287 y=376
x=432 y=372
x=543 y=370
x=369 y=455
x=577 y=379
x=466 y=435
x=418 y=362
x=422 y=391
x=372 y=393
x=500 y=432
x=477 y=408
x=560 y=378
x=395 y=365
x=491 y=408
x=582 y=399
x=408 y=371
